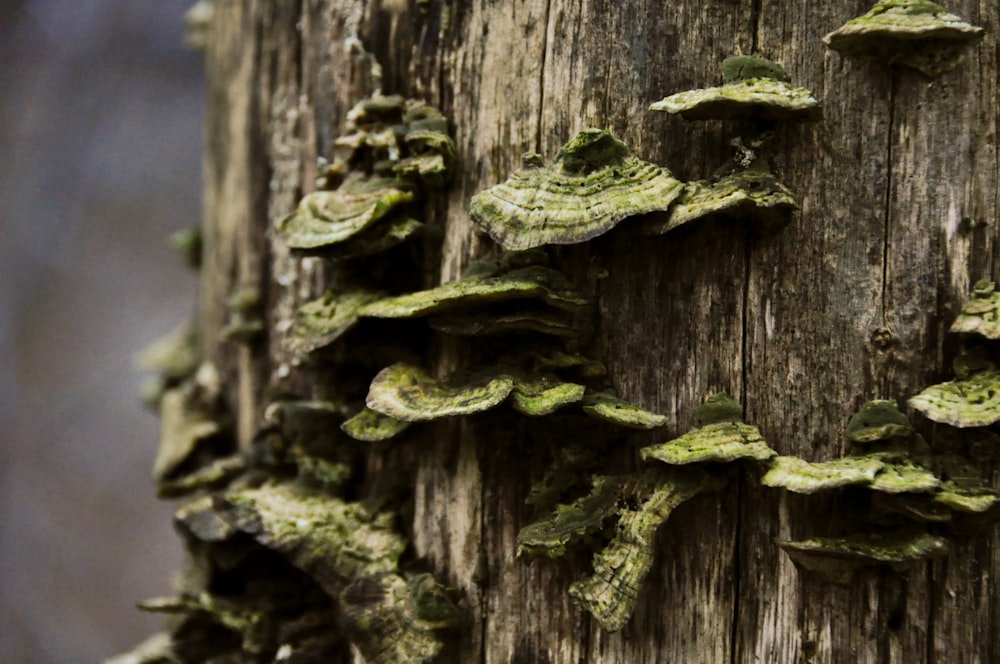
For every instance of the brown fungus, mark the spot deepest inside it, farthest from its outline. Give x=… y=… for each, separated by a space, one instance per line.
x=917 y=34
x=189 y=422
x=593 y=184
x=753 y=89
x=720 y=436
x=837 y=559
x=981 y=314
x=751 y=193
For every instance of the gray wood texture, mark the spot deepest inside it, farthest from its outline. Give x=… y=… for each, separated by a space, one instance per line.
x=898 y=187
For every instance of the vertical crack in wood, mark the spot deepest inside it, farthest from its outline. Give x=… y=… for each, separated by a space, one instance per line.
x=541 y=78
x=883 y=383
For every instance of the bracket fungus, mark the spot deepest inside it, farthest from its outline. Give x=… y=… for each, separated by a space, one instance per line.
x=370 y=426
x=981 y=314
x=638 y=503
x=837 y=559
x=719 y=436
x=895 y=461
x=610 y=593
x=608 y=407
x=753 y=88
x=566 y=523
x=406 y=392
x=752 y=193
x=918 y=34
x=393 y=619
x=878 y=421
x=971 y=400
x=405 y=137
x=593 y=184
x=189 y=421
x=325 y=218
x=534 y=298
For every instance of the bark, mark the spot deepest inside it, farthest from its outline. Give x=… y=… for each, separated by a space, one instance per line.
x=898 y=192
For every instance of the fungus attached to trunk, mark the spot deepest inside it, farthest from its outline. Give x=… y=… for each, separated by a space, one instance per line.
x=981 y=314
x=371 y=426
x=754 y=88
x=917 y=34
x=408 y=393
x=593 y=184
x=971 y=400
x=719 y=436
x=608 y=407
x=837 y=559
x=325 y=218
x=611 y=592
x=751 y=193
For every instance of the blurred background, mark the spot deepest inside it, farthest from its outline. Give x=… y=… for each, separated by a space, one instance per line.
x=100 y=141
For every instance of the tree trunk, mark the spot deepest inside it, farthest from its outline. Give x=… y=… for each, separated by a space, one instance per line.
x=897 y=188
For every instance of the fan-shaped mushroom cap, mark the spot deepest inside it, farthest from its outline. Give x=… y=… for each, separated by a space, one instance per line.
x=755 y=88
x=406 y=392
x=593 y=185
x=719 y=436
x=973 y=401
x=981 y=314
x=918 y=34
x=327 y=217
x=751 y=193
x=837 y=559
x=878 y=420
x=608 y=407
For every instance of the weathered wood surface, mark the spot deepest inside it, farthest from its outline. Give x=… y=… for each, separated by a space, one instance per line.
x=899 y=194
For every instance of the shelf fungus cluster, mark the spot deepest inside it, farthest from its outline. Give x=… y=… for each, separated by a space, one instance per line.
x=754 y=88
x=395 y=149
x=283 y=565
x=619 y=514
x=911 y=490
x=918 y=34
x=972 y=399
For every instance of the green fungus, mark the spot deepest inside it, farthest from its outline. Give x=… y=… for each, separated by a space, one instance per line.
x=720 y=436
x=755 y=88
x=606 y=406
x=917 y=34
x=610 y=593
x=751 y=193
x=838 y=559
x=325 y=218
x=593 y=185
x=394 y=619
x=981 y=314
x=370 y=426
x=408 y=393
